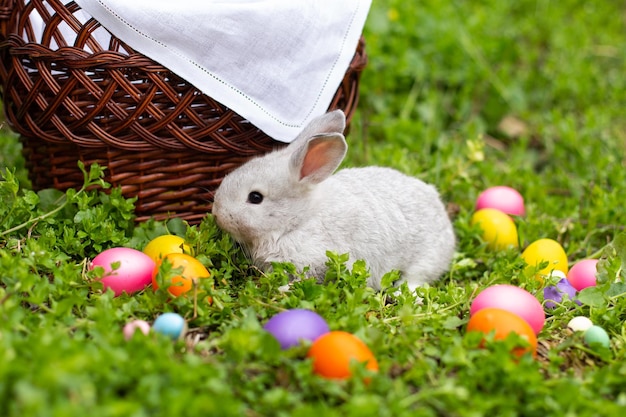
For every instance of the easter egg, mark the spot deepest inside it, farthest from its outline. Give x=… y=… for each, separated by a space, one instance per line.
x=130 y=328
x=502 y=323
x=583 y=274
x=293 y=326
x=160 y=246
x=125 y=269
x=546 y=250
x=554 y=293
x=514 y=299
x=506 y=199
x=596 y=335
x=555 y=273
x=499 y=230
x=579 y=324
x=170 y=324
x=333 y=352
x=181 y=282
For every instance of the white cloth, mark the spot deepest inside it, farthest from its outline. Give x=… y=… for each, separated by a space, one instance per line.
x=278 y=63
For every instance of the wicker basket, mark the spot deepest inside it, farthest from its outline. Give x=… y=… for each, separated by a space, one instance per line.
x=161 y=140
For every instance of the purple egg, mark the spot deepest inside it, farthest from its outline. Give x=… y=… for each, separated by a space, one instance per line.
x=292 y=326
x=555 y=293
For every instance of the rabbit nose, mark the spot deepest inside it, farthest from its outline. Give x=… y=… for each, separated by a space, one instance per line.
x=217 y=215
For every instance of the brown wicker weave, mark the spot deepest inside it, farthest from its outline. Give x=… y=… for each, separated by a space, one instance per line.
x=161 y=140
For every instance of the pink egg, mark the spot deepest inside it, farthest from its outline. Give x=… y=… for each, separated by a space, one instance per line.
x=503 y=198
x=133 y=274
x=130 y=328
x=583 y=274
x=513 y=299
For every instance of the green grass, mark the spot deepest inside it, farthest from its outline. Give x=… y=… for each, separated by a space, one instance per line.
x=443 y=79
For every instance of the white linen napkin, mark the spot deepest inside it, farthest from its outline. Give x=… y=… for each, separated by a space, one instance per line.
x=278 y=63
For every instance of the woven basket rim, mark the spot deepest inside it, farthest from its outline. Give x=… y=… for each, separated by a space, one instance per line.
x=122 y=110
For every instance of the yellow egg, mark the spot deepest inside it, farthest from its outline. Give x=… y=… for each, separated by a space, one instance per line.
x=543 y=250
x=163 y=245
x=499 y=230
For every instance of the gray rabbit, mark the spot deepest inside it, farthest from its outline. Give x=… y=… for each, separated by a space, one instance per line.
x=287 y=206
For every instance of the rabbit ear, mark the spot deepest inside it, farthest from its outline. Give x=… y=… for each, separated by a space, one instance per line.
x=319 y=148
x=331 y=122
x=319 y=157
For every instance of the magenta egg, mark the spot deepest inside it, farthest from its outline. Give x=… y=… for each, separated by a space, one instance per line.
x=293 y=326
x=125 y=269
x=513 y=299
x=503 y=198
x=583 y=274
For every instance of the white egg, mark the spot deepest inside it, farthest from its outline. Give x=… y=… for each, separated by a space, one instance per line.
x=558 y=274
x=579 y=324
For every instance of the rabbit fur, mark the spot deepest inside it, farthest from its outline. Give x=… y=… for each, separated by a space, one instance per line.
x=287 y=206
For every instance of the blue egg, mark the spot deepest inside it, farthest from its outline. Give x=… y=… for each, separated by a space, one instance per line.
x=169 y=324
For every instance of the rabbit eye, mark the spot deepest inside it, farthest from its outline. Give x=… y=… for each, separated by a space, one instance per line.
x=255 y=197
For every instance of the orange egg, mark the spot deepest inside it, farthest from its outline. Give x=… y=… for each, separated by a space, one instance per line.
x=333 y=353
x=181 y=283
x=502 y=323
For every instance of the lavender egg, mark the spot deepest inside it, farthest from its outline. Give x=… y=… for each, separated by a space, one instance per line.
x=293 y=326
x=554 y=293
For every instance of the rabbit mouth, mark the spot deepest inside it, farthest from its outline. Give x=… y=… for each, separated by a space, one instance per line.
x=230 y=226
x=225 y=224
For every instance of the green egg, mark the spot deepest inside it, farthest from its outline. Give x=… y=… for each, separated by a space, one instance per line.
x=596 y=335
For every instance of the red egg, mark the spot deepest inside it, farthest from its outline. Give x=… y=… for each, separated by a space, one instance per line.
x=513 y=299
x=503 y=198
x=125 y=269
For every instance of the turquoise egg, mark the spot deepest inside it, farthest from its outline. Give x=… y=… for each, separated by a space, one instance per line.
x=597 y=335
